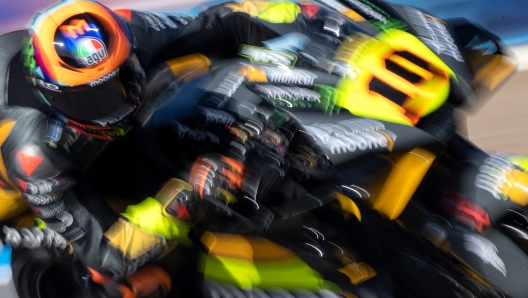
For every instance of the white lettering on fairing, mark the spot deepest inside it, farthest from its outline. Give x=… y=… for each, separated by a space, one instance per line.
x=493 y=174
x=368 y=10
x=262 y=55
x=351 y=135
x=433 y=33
x=104 y=78
x=288 y=93
x=230 y=84
x=336 y=5
x=485 y=250
x=285 y=75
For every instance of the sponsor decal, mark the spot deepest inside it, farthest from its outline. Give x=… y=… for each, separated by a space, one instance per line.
x=216 y=116
x=229 y=85
x=179 y=19
x=232 y=81
x=48 y=86
x=117 y=116
x=165 y=20
x=357 y=46
x=352 y=135
x=380 y=18
x=92 y=51
x=328 y=99
x=284 y=75
x=195 y=134
x=267 y=56
x=105 y=78
x=336 y=5
x=368 y=10
x=289 y=96
x=85 y=41
x=494 y=175
x=432 y=32
x=343 y=10
x=485 y=250
x=75 y=28
x=339 y=68
x=156 y=21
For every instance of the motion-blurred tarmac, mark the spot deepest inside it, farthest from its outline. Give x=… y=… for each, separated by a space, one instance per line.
x=501 y=122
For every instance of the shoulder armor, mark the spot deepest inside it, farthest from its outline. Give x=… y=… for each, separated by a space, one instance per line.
x=25 y=155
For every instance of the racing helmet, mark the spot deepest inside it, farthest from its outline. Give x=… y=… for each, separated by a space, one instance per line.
x=82 y=62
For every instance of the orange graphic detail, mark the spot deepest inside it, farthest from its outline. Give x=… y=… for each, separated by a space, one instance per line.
x=75 y=28
x=125 y=13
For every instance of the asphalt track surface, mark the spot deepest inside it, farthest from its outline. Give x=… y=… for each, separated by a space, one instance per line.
x=500 y=123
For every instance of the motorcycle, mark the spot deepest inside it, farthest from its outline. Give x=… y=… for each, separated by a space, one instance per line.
x=369 y=118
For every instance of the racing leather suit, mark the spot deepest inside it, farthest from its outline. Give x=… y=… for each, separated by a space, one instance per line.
x=106 y=242
x=49 y=177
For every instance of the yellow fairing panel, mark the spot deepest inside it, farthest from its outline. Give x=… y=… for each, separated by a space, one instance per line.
x=367 y=58
x=273 y=12
x=402 y=182
x=11 y=201
x=516 y=187
x=241 y=247
x=253 y=261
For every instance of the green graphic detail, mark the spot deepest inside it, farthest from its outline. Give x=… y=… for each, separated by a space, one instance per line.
x=278 y=118
x=28 y=53
x=283 y=102
x=262 y=55
x=265 y=275
x=40 y=223
x=391 y=24
x=375 y=7
x=280 y=13
x=520 y=161
x=84 y=52
x=118 y=131
x=148 y=216
x=328 y=100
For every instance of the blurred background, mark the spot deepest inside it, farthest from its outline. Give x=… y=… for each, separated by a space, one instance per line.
x=498 y=124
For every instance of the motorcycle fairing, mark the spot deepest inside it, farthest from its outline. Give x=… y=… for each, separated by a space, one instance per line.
x=248 y=262
x=334 y=134
x=395 y=77
x=403 y=180
x=476 y=56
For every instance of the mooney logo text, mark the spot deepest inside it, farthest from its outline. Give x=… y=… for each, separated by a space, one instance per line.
x=104 y=79
x=352 y=135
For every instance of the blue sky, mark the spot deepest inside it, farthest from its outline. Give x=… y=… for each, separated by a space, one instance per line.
x=506 y=18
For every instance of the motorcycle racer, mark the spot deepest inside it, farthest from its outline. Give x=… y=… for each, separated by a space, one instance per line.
x=87 y=65
x=82 y=60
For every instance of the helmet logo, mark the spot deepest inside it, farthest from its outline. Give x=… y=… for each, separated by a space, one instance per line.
x=92 y=51
x=75 y=28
